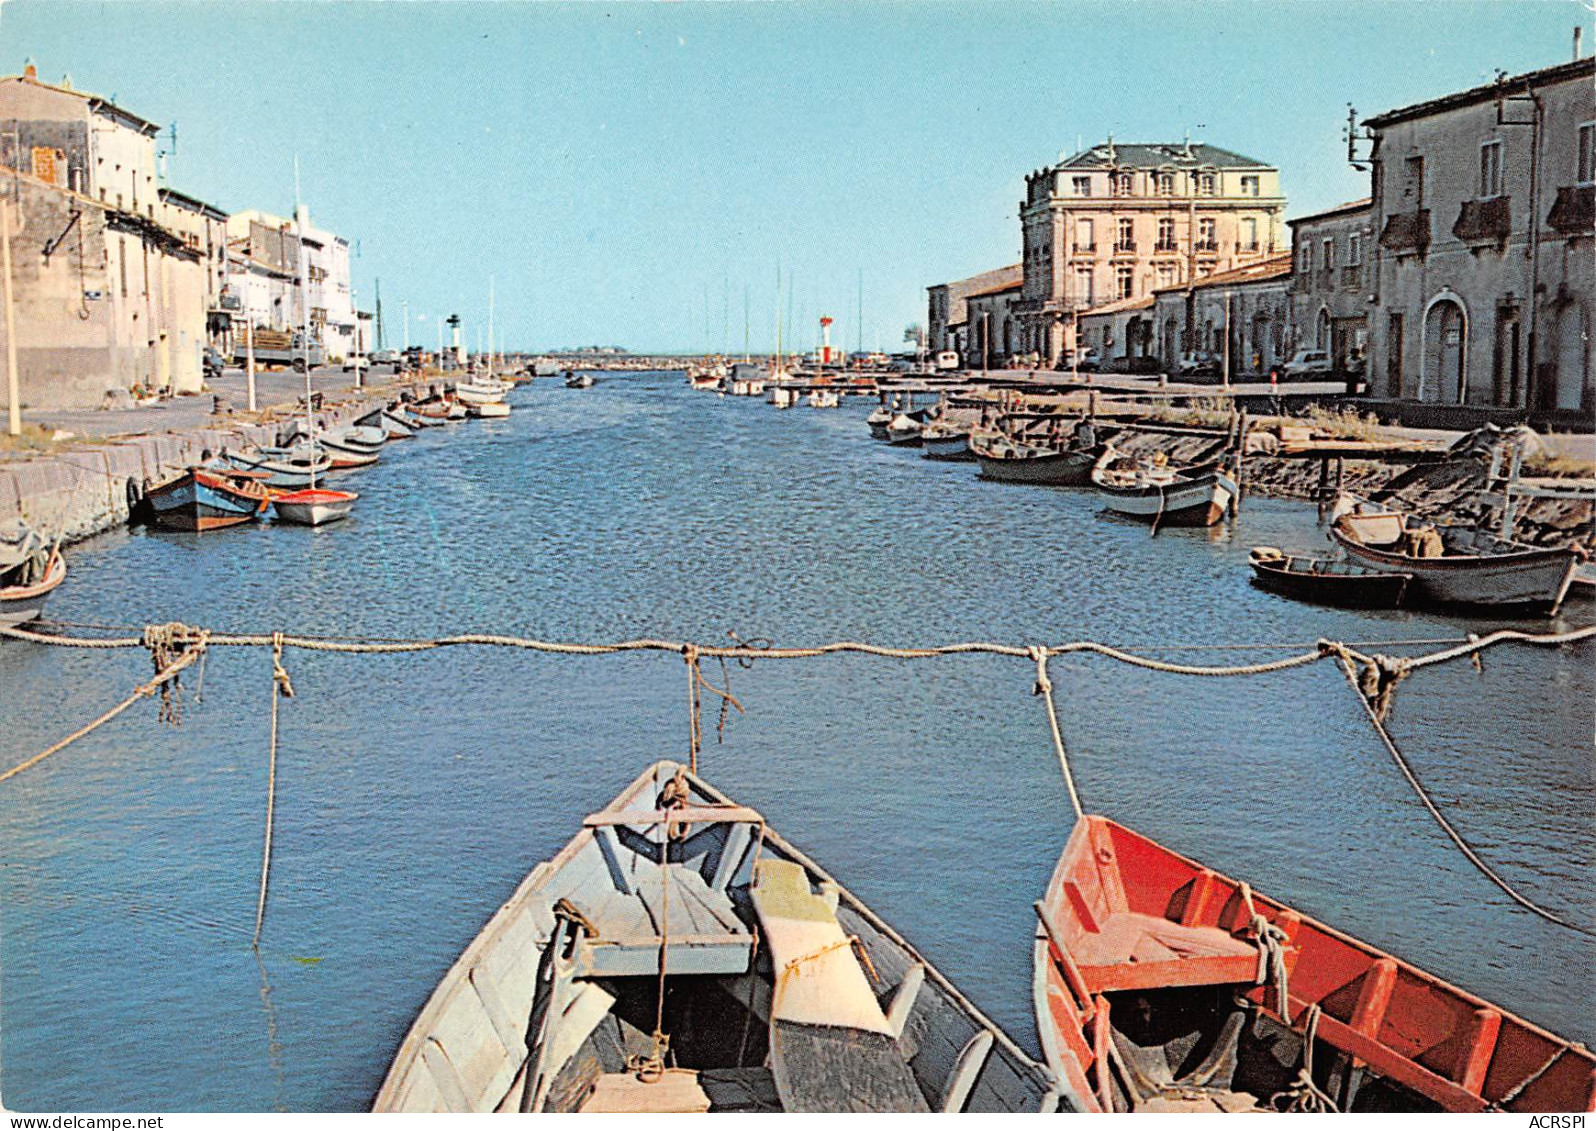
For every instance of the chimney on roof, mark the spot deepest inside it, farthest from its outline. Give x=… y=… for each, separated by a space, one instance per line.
x=1579 y=35
x=30 y=72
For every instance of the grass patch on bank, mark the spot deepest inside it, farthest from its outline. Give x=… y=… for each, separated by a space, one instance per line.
x=34 y=438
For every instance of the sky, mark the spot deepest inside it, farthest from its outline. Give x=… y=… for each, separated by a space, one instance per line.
x=638 y=174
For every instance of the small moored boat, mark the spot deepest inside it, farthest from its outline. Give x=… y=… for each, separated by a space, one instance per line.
x=946 y=440
x=579 y=380
x=1457 y=565
x=1326 y=581
x=678 y=955
x=298 y=466
x=313 y=506
x=489 y=410
x=1007 y=460
x=904 y=431
x=824 y=398
x=205 y=499
x=1163 y=496
x=30 y=570
x=1161 y=985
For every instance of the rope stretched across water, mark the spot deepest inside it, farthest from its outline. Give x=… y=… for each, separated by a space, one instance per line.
x=189 y=645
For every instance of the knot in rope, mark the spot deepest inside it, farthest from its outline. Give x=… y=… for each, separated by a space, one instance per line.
x=1302 y=1095
x=171 y=645
x=1271 y=940
x=280 y=678
x=1044 y=685
x=1378 y=682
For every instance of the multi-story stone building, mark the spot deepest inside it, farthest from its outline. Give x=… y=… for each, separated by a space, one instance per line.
x=947 y=316
x=1485 y=275
x=1332 y=286
x=1120 y=221
x=203 y=227
x=104 y=292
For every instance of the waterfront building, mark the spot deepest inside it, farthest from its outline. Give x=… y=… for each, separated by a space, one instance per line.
x=1484 y=270
x=1241 y=318
x=105 y=295
x=1119 y=221
x=991 y=337
x=947 y=317
x=266 y=256
x=1332 y=282
x=203 y=227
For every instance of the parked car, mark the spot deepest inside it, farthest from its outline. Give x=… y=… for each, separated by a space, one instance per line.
x=1308 y=365
x=213 y=364
x=353 y=359
x=947 y=360
x=385 y=357
x=1086 y=360
x=1199 y=367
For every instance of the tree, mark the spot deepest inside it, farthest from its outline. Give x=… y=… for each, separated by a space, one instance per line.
x=915 y=333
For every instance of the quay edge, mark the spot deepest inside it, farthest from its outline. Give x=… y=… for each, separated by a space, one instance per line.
x=88 y=490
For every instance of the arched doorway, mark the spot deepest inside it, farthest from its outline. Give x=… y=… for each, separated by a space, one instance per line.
x=1260 y=357
x=1321 y=331
x=1573 y=359
x=1171 y=356
x=1445 y=348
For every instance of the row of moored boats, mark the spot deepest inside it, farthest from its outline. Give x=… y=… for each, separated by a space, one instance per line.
x=290 y=482
x=1384 y=558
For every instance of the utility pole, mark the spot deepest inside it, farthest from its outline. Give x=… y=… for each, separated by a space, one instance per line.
x=13 y=379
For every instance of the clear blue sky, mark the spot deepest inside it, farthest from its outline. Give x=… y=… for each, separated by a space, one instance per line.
x=610 y=165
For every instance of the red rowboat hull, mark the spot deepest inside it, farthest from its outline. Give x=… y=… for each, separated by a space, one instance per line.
x=1129 y=927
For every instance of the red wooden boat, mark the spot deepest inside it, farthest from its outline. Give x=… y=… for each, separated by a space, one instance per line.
x=1158 y=988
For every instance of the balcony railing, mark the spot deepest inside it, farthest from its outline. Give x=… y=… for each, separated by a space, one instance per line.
x=1208 y=245
x=1124 y=245
x=1407 y=232
x=1085 y=249
x=1166 y=246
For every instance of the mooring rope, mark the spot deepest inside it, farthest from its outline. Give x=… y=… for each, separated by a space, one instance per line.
x=1375 y=720
x=162 y=677
x=1384 y=672
x=281 y=688
x=1044 y=688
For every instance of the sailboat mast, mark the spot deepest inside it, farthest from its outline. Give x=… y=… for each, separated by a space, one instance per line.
x=304 y=321
x=490 y=329
x=778 y=319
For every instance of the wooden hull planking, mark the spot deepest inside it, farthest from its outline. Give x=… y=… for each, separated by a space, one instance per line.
x=518 y=1024
x=1534 y=580
x=1129 y=929
x=20 y=603
x=200 y=500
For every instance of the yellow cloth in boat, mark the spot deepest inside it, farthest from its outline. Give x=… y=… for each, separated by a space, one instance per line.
x=818 y=978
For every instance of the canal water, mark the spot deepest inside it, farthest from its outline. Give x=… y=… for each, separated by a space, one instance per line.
x=415 y=791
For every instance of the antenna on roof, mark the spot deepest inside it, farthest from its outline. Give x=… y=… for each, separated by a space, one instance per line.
x=1353 y=137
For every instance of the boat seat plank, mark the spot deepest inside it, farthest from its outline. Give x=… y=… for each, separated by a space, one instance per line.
x=1136 y=951
x=686 y=815
x=622 y=1093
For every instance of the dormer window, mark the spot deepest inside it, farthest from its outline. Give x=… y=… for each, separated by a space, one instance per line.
x=1207 y=184
x=1083 y=186
x=1164 y=184
x=1123 y=184
x=1249 y=186
x=1491 y=169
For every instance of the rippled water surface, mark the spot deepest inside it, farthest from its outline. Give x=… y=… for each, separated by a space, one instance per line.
x=415 y=791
